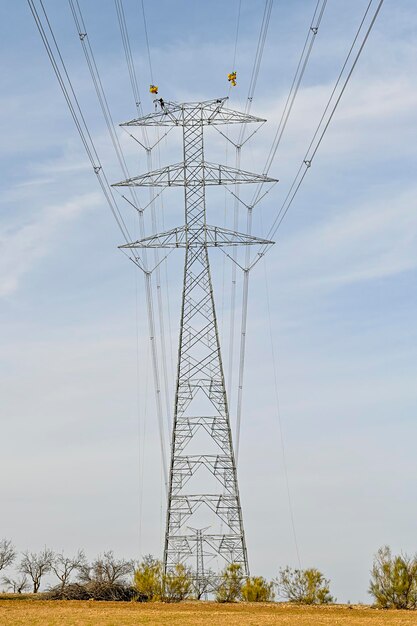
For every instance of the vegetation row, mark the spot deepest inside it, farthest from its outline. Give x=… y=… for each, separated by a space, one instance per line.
x=393 y=582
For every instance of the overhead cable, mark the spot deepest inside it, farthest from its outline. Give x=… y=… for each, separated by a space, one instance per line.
x=324 y=122
x=161 y=290
x=245 y=288
x=71 y=99
x=145 y=25
x=156 y=271
x=257 y=63
x=157 y=369
x=134 y=83
x=252 y=86
x=258 y=195
x=128 y=54
x=295 y=85
x=98 y=85
x=81 y=125
x=280 y=428
x=237 y=34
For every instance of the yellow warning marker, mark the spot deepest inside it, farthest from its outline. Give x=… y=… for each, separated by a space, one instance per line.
x=232 y=78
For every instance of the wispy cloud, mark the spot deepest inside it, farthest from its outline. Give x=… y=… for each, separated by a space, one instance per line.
x=374 y=240
x=26 y=243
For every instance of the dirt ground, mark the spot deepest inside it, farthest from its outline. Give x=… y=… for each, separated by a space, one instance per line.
x=15 y=612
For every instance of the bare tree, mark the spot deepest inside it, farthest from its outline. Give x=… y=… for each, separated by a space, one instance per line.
x=63 y=566
x=106 y=569
x=7 y=553
x=36 y=565
x=16 y=585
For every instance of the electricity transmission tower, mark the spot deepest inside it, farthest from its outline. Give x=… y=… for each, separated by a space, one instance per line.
x=203 y=487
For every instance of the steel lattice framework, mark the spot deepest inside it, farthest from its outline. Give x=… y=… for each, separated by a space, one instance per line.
x=200 y=376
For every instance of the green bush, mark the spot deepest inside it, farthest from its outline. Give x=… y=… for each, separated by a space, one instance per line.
x=257 y=589
x=148 y=579
x=393 y=581
x=177 y=584
x=152 y=584
x=307 y=586
x=230 y=586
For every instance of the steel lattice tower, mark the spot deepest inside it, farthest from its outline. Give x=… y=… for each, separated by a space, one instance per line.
x=201 y=438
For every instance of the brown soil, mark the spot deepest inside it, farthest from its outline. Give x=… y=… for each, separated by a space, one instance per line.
x=30 y=612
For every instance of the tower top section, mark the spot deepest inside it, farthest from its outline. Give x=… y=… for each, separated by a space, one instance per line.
x=208 y=113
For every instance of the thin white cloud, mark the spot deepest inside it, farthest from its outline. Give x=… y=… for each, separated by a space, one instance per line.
x=33 y=182
x=372 y=241
x=374 y=120
x=24 y=244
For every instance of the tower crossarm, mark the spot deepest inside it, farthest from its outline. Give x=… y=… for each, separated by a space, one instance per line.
x=210 y=236
x=194 y=174
x=209 y=112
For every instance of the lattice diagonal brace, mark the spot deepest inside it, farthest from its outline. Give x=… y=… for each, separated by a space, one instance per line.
x=216 y=512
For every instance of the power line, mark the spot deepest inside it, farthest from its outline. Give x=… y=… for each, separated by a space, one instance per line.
x=315 y=143
x=81 y=125
x=300 y=70
x=98 y=85
x=295 y=85
x=107 y=115
x=141 y=414
x=148 y=279
x=147 y=40
x=128 y=54
x=237 y=34
x=280 y=428
x=159 y=287
x=258 y=59
x=77 y=114
x=82 y=31
x=124 y=32
x=307 y=162
x=252 y=86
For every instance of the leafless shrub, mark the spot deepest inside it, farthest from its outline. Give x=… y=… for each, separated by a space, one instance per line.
x=106 y=569
x=106 y=578
x=16 y=585
x=94 y=590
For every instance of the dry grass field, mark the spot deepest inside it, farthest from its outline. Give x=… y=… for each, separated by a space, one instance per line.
x=28 y=612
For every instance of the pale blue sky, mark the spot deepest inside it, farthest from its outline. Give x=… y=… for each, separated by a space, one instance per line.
x=342 y=288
